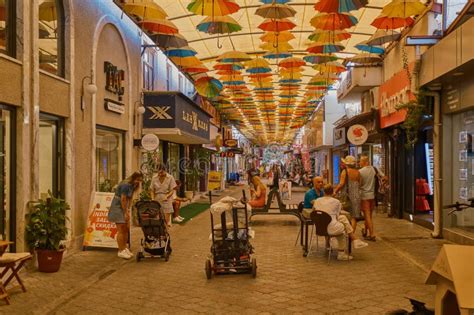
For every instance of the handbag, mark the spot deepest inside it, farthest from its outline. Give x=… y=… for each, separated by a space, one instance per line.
x=344 y=196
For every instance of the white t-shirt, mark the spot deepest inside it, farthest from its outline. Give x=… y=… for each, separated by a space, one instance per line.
x=333 y=207
x=367 y=185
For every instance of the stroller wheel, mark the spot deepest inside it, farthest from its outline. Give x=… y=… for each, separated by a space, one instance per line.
x=167 y=256
x=254 y=267
x=139 y=256
x=208 y=268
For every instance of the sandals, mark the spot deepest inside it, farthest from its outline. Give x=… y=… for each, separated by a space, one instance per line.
x=364 y=232
x=366 y=237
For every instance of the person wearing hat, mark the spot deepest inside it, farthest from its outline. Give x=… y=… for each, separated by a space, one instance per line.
x=350 y=181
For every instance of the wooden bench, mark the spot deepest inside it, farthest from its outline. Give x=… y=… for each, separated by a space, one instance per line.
x=291 y=209
x=12 y=262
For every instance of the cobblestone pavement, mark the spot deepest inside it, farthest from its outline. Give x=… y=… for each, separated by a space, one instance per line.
x=377 y=280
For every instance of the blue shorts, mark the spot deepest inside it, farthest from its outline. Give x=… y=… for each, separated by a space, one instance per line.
x=116 y=212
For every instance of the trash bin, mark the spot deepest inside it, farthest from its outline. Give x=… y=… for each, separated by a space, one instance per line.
x=453 y=275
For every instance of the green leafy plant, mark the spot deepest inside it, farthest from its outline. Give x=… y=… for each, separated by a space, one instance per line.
x=415 y=110
x=46 y=223
x=196 y=168
x=106 y=186
x=148 y=168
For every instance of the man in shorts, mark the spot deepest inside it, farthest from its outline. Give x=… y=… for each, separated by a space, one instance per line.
x=368 y=175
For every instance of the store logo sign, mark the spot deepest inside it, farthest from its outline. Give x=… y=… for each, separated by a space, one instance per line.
x=196 y=123
x=114 y=78
x=160 y=112
x=357 y=134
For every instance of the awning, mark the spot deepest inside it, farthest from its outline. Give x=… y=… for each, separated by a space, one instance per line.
x=176 y=135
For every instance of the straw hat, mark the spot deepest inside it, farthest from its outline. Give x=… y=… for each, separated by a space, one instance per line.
x=349 y=160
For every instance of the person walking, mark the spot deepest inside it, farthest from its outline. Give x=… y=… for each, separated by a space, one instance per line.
x=162 y=189
x=369 y=178
x=350 y=180
x=119 y=212
x=177 y=203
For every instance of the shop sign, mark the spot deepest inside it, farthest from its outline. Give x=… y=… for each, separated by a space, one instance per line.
x=393 y=92
x=114 y=78
x=113 y=106
x=231 y=143
x=357 y=134
x=339 y=136
x=150 y=142
x=214 y=180
x=100 y=232
x=174 y=110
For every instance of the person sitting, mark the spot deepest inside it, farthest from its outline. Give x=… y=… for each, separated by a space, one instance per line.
x=257 y=193
x=339 y=222
x=311 y=195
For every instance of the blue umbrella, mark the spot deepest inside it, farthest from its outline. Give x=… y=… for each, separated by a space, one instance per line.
x=180 y=52
x=277 y=55
x=290 y=81
x=274 y=1
x=363 y=46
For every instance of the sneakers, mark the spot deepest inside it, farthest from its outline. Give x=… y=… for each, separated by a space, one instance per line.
x=128 y=252
x=344 y=256
x=359 y=244
x=178 y=219
x=124 y=254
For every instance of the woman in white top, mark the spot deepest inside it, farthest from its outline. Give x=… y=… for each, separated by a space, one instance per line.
x=162 y=190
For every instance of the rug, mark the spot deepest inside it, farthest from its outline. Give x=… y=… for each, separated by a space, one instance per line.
x=190 y=211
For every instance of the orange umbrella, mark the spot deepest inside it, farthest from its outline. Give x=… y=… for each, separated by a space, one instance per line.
x=292 y=63
x=329 y=36
x=195 y=69
x=391 y=23
x=275 y=11
x=159 y=26
x=276 y=25
x=273 y=37
x=333 y=21
x=233 y=57
x=324 y=48
x=339 y=6
x=332 y=66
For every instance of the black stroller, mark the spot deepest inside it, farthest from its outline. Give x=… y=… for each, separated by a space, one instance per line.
x=231 y=249
x=156 y=241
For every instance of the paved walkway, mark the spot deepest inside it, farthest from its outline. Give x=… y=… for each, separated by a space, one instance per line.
x=377 y=280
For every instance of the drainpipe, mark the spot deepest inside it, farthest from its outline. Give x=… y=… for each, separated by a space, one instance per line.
x=437 y=149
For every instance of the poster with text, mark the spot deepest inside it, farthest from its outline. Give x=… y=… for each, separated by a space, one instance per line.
x=100 y=232
x=214 y=180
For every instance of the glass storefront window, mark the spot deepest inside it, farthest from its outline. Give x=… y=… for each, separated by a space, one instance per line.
x=51 y=36
x=462 y=170
x=5 y=172
x=149 y=69
x=451 y=10
x=51 y=137
x=109 y=159
x=7 y=27
x=173 y=159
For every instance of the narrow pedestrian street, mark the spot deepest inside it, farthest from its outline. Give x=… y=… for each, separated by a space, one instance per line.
x=377 y=280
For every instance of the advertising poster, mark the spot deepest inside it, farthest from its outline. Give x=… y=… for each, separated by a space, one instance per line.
x=214 y=180
x=100 y=232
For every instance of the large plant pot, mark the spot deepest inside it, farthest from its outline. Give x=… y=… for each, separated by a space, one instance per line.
x=49 y=260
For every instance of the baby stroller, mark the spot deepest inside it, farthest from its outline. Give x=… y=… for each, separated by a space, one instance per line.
x=231 y=249
x=156 y=241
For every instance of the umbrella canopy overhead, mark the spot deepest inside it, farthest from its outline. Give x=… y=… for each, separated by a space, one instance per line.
x=287 y=91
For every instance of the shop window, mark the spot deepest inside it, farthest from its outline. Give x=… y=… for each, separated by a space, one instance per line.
x=51 y=36
x=109 y=159
x=7 y=183
x=149 y=70
x=51 y=157
x=169 y=73
x=7 y=27
x=173 y=159
x=452 y=8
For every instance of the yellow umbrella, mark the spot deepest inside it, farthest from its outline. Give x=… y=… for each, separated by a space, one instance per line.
x=291 y=75
x=144 y=9
x=47 y=11
x=281 y=47
x=257 y=63
x=186 y=62
x=333 y=66
x=403 y=8
x=275 y=37
x=233 y=56
x=213 y=7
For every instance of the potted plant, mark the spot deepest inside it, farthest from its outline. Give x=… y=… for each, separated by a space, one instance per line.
x=196 y=169
x=46 y=230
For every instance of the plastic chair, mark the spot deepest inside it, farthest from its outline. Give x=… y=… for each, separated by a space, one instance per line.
x=321 y=222
x=300 y=212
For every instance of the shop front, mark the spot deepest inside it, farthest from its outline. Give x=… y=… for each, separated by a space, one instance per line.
x=7 y=171
x=182 y=127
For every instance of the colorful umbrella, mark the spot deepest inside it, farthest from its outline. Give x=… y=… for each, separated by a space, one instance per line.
x=276 y=25
x=381 y=37
x=47 y=11
x=208 y=87
x=186 y=61
x=180 y=52
x=169 y=40
x=330 y=67
x=280 y=47
x=195 y=69
x=144 y=9
x=277 y=55
x=363 y=46
x=273 y=37
x=333 y=21
x=329 y=36
x=159 y=26
x=365 y=58
x=275 y=11
x=339 y=6
x=292 y=63
x=403 y=8
x=391 y=23
x=219 y=25
x=319 y=58
x=233 y=56
x=324 y=48
x=228 y=66
x=213 y=8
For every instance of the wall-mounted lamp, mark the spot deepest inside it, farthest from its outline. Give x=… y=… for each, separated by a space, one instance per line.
x=141 y=110
x=90 y=89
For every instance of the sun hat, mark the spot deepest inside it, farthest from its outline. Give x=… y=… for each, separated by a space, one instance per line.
x=349 y=160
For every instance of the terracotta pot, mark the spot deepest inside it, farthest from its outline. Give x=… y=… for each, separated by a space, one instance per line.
x=49 y=260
